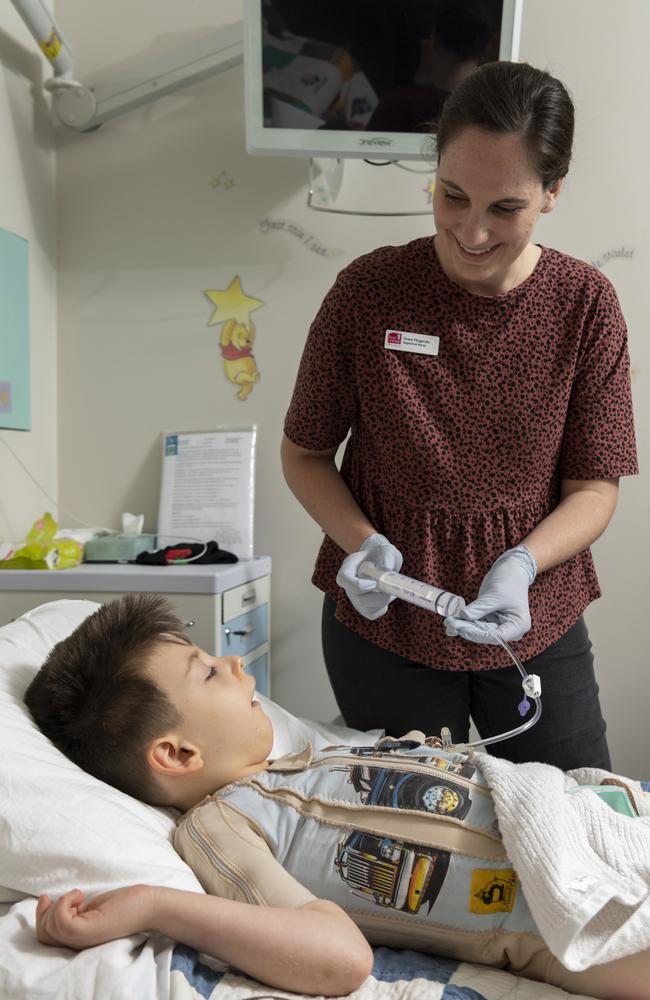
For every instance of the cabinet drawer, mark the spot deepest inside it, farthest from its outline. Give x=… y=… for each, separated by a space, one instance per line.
x=259 y=669
x=240 y=635
x=246 y=597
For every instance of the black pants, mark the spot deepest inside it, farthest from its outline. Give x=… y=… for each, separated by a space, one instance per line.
x=377 y=689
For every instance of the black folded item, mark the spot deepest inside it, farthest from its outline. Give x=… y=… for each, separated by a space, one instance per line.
x=182 y=552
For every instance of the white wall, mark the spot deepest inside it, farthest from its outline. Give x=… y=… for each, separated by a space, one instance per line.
x=28 y=208
x=598 y=49
x=144 y=228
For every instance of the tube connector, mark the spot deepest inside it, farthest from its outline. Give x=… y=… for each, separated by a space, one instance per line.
x=532 y=685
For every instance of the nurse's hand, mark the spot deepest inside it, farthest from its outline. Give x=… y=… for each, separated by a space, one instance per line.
x=501 y=608
x=363 y=594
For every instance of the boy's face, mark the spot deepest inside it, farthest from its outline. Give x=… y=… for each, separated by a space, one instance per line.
x=219 y=715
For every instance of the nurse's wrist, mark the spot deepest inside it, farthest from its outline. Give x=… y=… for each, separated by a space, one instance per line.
x=527 y=557
x=371 y=540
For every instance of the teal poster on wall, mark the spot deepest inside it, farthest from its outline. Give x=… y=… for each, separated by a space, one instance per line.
x=15 y=404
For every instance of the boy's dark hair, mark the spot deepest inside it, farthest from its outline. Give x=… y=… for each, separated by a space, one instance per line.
x=514 y=98
x=93 y=698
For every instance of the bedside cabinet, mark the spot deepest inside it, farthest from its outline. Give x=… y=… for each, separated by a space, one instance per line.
x=229 y=607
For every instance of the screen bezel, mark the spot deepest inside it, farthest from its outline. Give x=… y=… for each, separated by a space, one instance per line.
x=334 y=142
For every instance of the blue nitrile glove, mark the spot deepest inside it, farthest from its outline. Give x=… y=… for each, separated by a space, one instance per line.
x=501 y=607
x=363 y=594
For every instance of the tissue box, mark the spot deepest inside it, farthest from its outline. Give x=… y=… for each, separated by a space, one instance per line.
x=118 y=548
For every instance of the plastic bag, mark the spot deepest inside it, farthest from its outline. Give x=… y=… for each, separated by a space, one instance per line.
x=40 y=550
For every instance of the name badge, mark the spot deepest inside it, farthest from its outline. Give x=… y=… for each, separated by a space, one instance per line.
x=414 y=343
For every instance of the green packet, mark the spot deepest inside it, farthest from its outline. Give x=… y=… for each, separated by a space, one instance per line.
x=615 y=797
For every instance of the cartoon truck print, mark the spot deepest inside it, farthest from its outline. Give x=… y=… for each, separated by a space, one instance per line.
x=462 y=767
x=394 y=874
x=431 y=793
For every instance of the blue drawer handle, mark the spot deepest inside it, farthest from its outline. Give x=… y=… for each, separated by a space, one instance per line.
x=248 y=630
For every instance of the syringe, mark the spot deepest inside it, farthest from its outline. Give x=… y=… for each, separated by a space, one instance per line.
x=444 y=603
x=413 y=591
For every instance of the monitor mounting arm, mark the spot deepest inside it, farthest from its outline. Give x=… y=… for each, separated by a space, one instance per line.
x=84 y=108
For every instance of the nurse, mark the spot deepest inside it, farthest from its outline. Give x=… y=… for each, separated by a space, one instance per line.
x=484 y=454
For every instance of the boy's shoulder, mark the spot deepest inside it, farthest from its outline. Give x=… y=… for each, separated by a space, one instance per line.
x=215 y=820
x=233 y=857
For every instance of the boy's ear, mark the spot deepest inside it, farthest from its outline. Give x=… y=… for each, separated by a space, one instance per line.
x=173 y=757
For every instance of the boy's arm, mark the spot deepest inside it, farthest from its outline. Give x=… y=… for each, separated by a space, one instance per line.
x=314 y=949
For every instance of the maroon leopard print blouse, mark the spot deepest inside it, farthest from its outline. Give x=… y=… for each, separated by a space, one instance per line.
x=456 y=457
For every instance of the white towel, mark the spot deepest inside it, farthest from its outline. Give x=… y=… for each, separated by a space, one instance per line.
x=584 y=869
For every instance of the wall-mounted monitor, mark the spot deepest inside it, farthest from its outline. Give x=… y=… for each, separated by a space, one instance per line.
x=363 y=78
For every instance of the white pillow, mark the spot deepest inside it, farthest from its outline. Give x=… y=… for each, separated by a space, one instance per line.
x=60 y=828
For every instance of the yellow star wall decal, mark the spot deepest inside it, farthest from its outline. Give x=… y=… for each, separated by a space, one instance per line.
x=233 y=303
x=233 y=308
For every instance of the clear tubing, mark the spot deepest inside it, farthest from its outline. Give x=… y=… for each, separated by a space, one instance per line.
x=413 y=591
x=444 y=603
x=526 y=725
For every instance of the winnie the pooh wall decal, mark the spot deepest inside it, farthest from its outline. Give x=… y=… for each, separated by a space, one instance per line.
x=233 y=308
x=237 y=350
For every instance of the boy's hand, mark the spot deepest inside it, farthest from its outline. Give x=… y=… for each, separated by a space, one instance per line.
x=74 y=922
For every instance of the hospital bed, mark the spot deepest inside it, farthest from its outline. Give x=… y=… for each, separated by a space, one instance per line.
x=60 y=829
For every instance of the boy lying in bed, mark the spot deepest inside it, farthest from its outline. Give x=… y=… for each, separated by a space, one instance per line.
x=402 y=836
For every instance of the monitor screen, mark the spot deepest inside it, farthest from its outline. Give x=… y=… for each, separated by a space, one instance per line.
x=363 y=78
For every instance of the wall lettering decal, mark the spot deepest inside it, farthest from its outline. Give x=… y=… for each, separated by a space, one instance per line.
x=617 y=254
x=308 y=240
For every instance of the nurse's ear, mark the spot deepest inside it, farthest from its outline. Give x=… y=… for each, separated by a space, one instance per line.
x=550 y=195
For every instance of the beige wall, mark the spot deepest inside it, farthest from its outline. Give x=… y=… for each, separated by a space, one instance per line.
x=144 y=229
x=598 y=49
x=27 y=208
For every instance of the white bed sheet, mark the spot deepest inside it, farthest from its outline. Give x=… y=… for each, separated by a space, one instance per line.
x=134 y=967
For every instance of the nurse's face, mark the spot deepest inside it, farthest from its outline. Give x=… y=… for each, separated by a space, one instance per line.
x=487 y=199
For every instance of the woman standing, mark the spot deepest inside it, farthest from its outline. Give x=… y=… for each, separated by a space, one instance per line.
x=487 y=459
